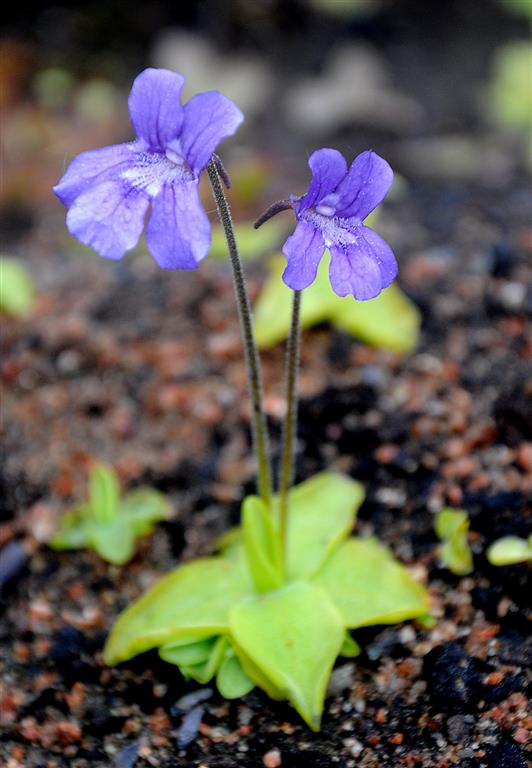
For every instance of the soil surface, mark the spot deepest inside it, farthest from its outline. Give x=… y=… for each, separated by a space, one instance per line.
x=143 y=369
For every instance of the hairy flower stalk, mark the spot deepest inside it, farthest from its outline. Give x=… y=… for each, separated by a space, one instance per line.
x=258 y=420
x=329 y=216
x=286 y=476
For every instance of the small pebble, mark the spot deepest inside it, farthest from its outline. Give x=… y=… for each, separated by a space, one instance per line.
x=459 y=728
x=354 y=746
x=191 y=700
x=127 y=757
x=341 y=679
x=13 y=558
x=189 y=728
x=272 y=759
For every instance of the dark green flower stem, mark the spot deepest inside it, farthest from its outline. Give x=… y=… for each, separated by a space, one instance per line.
x=258 y=421
x=290 y=424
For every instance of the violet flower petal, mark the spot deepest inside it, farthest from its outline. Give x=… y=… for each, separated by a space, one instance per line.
x=365 y=186
x=379 y=250
x=93 y=167
x=155 y=107
x=209 y=118
x=354 y=271
x=328 y=168
x=178 y=234
x=303 y=251
x=108 y=191
x=108 y=217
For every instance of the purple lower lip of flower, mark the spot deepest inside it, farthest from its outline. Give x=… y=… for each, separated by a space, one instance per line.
x=330 y=215
x=108 y=191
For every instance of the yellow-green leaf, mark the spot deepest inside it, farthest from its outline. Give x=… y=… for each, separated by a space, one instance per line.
x=192 y=601
x=231 y=680
x=71 y=532
x=522 y=7
x=16 y=288
x=322 y=513
x=293 y=635
x=108 y=524
x=368 y=586
x=350 y=648
x=251 y=242
x=113 y=540
x=203 y=672
x=272 y=310
x=452 y=526
x=104 y=493
x=390 y=321
x=256 y=674
x=450 y=521
x=186 y=653
x=261 y=545
x=144 y=507
x=510 y=550
x=511 y=85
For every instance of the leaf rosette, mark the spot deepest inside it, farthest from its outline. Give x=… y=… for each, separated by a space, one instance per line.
x=243 y=619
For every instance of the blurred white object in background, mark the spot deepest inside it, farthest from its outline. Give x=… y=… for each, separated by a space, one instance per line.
x=355 y=88
x=242 y=77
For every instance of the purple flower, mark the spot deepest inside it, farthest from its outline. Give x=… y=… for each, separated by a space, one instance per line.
x=108 y=191
x=330 y=216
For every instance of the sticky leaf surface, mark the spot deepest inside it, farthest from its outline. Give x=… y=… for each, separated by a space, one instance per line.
x=114 y=541
x=452 y=526
x=322 y=514
x=194 y=599
x=251 y=242
x=510 y=550
x=293 y=635
x=16 y=288
x=390 y=321
x=368 y=586
x=144 y=507
x=231 y=680
x=261 y=545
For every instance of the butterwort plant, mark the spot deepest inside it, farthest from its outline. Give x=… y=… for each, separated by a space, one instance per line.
x=276 y=606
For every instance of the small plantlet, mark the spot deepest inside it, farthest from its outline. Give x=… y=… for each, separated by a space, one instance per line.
x=510 y=550
x=275 y=608
x=107 y=523
x=17 y=291
x=452 y=528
